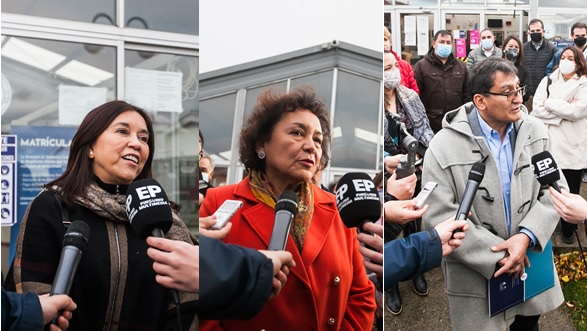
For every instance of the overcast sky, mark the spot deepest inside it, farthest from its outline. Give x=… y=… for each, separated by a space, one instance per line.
x=234 y=32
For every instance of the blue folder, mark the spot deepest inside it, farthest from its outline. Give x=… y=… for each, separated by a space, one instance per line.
x=506 y=291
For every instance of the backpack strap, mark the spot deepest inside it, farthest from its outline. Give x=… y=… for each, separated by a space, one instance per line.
x=64 y=211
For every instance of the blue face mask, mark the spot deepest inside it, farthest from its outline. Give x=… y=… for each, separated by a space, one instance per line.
x=487 y=43
x=443 y=50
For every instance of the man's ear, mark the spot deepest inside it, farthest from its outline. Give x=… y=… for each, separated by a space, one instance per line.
x=480 y=101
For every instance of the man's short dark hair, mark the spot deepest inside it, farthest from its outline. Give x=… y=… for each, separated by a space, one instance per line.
x=442 y=33
x=578 y=25
x=534 y=21
x=482 y=75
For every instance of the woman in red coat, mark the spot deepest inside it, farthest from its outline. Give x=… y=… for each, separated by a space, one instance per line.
x=282 y=144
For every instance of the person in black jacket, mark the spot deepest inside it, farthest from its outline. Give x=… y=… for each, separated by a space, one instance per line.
x=513 y=52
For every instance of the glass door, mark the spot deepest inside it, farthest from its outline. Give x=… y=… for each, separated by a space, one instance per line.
x=412 y=32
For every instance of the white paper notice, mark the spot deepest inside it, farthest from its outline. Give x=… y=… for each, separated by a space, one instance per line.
x=75 y=102
x=410 y=30
x=423 y=36
x=154 y=90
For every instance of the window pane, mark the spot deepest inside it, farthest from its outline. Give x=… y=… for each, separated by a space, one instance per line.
x=253 y=93
x=176 y=130
x=217 y=118
x=101 y=12
x=321 y=82
x=37 y=70
x=179 y=16
x=356 y=120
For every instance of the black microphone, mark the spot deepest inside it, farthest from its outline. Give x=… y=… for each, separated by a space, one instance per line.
x=148 y=208
x=357 y=200
x=286 y=209
x=149 y=212
x=475 y=177
x=546 y=169
x=75 y=242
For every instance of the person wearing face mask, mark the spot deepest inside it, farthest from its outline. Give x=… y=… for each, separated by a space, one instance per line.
x=207 y=168
x=486 y=50
x=561 y=103
x=406 y=71
x=513 y=52
x=579 y=36
x=442 y=79
x=538 y=53
x=403 y=105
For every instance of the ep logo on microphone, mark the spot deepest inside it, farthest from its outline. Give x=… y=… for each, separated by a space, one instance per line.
x=143 y=192
x=360 y=185
x=544 y=164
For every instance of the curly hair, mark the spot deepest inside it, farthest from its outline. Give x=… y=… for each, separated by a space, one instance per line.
x=269 y=110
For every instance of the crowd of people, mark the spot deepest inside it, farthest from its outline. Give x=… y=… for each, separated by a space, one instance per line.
x=328 y=275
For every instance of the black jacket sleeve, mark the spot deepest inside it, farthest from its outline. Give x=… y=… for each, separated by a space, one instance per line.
x=235 y=282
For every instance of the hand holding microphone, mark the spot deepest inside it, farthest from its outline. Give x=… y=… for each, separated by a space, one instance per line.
x=149 y=212
x=286 y=209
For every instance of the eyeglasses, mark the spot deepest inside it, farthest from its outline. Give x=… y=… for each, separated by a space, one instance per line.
x=513 y=94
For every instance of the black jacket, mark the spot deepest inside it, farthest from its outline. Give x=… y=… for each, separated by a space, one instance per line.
x=114 y=252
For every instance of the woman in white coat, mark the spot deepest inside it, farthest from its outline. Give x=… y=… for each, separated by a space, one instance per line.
x=561 y=103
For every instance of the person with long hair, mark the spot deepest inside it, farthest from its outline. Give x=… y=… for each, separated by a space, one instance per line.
x=560 y=102
x=284 y=141
x=513 y=51
x=114 y=286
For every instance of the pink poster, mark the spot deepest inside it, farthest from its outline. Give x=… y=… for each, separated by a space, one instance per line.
x=474 y=35
x=461 y=47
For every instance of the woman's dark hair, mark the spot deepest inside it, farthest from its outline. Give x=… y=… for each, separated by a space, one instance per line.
x=79 y=171
x=520 y=58
x=268 y=111
x=579 y=60
x=482 y=75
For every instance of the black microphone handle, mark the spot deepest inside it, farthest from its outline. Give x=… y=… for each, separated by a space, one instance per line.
x=556 y=187
x=158 y=233
x=379 y=279
x=280 y=232
x=68 y=262
x=466 y=201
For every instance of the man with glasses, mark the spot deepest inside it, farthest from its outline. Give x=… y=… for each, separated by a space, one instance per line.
x=537 y=54
x=511 y=214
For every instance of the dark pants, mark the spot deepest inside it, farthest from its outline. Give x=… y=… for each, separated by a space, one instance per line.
x=525 y=323
x=573 y=178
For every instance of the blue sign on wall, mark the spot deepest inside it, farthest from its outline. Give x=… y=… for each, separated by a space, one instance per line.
x=42 y=156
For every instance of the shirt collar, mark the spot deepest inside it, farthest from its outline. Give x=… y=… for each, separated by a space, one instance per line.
x=488 y=131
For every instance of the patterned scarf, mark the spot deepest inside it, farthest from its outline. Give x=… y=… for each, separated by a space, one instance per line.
x=265 y=192
x=112 y=207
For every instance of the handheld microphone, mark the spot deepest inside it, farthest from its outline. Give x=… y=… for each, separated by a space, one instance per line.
x=407 y=164
x=357 y=200
x=286 y=209
x=75 y=242
x=149 y=212
x=148 y=208
x=475 y=177
x=546 y=169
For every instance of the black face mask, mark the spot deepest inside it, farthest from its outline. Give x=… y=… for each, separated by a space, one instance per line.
x=536 y=37
x=580 y=42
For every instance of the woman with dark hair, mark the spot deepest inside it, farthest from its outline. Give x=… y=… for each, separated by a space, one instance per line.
x=513 y=51
x=283 y=143
x=561 y=103
x=114 y=286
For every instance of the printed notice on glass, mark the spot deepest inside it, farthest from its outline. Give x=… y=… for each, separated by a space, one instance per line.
x=9 y=183
x=423 y=36
x=154 y=90
x=410 y=30
x=75 y=102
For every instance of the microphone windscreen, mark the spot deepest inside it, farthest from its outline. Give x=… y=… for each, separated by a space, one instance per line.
x=147 y=207
x=477 y=172
x=357 y=199
x=288 y=200
x=545 y=168
x=77 y=235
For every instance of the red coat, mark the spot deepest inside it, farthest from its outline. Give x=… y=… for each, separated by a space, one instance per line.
x=407 y=74
x=328 y=288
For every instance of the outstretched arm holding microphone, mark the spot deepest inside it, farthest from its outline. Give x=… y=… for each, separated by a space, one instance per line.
x=571 y=207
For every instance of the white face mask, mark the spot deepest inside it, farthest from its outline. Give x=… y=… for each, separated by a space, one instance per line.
x=566 y=66
x=205 y=176
x=391 y=79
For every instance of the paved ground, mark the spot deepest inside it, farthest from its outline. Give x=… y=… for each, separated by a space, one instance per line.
x=431 y=312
